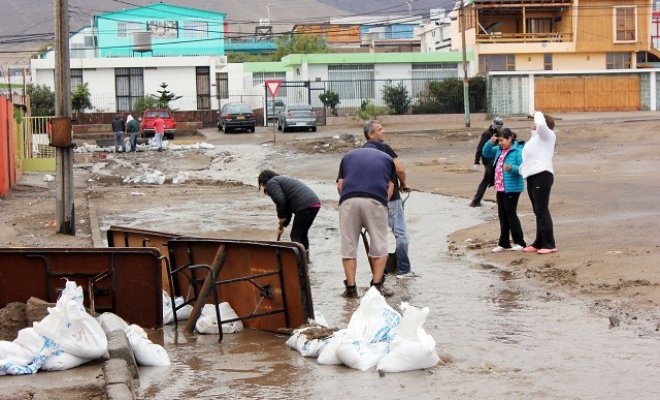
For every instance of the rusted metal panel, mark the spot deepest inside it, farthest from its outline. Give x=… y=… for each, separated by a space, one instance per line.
x=277 y=269
x=124 y=236
x=124 y=281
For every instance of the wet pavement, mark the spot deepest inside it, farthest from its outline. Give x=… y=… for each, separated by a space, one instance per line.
x=499 y=336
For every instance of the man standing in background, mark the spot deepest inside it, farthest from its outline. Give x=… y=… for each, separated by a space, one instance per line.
x=118 y=127
x=489 y=171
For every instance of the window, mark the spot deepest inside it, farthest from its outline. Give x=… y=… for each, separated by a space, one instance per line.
x=76 y=78
x=89 y=42
x=624 y=24
x=222 y=85
x=547 y=62
x=163 y=29
x=504 y=62
x=203 y=88
x=352 y=81
x=618 y=61
x=129 y=86
x=195 y=29
x=126 y=29
x=422 y=74
x=539 y=25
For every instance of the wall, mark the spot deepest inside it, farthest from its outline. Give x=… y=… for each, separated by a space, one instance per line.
x=7 y=147
x=574 y=62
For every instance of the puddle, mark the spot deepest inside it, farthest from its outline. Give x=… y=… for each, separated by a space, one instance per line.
x=502 y=337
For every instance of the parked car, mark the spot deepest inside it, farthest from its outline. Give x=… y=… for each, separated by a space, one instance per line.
x=148 y=118
x=297 y=116
x=279 y=107
x=236 y=116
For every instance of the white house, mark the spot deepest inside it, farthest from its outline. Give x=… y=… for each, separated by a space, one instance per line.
x=435 y=34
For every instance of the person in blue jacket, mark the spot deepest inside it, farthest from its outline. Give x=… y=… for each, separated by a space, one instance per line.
x=506 y=154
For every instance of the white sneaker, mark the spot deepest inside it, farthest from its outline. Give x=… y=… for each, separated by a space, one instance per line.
x=407 y=275
x=516 y=247
x=499 y=249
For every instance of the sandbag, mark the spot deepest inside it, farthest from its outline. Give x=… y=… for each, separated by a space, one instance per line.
x=208 y=320
x=146 y=352
x=374 y=320
x=182 y=314
x=328 y=355
x=111 y=322
x=310 y=340
x=360 y=354
x=413 y=348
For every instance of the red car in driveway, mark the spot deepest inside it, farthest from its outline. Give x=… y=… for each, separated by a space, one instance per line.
x=150 y=115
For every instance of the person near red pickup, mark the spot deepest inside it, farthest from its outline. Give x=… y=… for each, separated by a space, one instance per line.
x=159 y=132
x=118 y=127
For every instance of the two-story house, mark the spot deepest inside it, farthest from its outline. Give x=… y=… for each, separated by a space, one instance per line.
x=577 y=55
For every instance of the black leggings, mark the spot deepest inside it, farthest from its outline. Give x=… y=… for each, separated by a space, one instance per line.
x=507 y=211
x=301 y=224
x=538 y=188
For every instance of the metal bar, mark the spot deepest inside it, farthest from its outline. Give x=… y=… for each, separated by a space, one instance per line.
x=246 y=278
x=278 y=257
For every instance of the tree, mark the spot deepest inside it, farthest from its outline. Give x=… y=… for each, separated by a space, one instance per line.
x=243 y=57
x=42 y=100
x=165 y=96
x=330 y=99
x=397 y=98
x=300 y=44
x=142 y=104
x=80 y=98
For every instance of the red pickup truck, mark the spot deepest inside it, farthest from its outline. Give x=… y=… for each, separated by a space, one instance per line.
x=147 y=124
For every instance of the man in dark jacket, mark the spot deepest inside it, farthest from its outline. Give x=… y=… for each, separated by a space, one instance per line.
x=365 y=184
x=291 y=197
x=489 y=172
x=118 y=127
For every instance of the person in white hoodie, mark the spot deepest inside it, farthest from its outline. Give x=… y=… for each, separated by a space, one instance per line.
x=537 y=169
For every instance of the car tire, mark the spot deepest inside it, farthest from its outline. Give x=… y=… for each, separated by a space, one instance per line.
x=313 y=129
x=285 y=128
x=279 y=126
x=253 y=129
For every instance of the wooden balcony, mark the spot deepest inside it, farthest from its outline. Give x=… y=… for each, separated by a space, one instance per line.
x=499 y=37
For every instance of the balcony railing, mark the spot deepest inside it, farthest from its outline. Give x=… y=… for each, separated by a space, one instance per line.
x=498 y=37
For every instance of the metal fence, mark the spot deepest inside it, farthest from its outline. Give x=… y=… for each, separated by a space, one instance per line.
x=36 y=136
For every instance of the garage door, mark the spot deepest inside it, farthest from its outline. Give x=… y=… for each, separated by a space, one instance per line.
x=588 y=93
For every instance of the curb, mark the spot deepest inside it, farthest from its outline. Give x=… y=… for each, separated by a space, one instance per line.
x=121 y=368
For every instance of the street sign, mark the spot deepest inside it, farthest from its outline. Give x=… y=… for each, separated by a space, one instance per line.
x=273 y=87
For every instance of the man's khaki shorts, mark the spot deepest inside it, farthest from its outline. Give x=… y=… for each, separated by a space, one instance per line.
x=362 y=212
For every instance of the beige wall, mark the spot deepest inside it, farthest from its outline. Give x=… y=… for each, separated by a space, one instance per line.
x=529 y=62
x=577 y=62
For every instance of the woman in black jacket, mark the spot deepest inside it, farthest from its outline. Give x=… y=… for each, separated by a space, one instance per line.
x=291 y=197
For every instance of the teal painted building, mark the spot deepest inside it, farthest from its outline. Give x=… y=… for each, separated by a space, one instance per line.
x=173 y=30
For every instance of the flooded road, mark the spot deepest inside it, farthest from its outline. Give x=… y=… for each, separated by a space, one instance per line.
x=500 y=337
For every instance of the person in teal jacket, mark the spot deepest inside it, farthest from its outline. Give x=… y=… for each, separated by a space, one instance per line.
x=506 y=154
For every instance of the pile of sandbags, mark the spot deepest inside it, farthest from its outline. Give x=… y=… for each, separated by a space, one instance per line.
x=376 y=336
x=67 y=337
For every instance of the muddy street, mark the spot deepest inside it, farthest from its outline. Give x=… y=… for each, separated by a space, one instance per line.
x=498 y=334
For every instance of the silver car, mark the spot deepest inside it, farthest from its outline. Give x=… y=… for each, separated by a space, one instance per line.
x=297 y=116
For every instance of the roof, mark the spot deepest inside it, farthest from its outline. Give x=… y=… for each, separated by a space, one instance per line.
x=161 y=10
x=375 y=58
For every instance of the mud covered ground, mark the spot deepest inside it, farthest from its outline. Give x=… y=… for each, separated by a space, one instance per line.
x=607 y=226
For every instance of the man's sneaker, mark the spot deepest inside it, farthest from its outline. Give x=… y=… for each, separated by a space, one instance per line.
x=384 y=290
x=516 y=247
x=350 y=292
x=546 y=251
x=407 y=275
x=475 y=203
x=530 y=249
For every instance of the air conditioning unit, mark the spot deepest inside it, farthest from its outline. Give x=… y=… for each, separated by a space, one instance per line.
x=222 y=60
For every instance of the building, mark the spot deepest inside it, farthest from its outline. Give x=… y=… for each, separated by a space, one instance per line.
x=435 y=34
x=160 y=29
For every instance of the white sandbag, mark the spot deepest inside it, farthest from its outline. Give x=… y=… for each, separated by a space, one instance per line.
x=26 y=354
x=13 y=354
x=413 y=348
x=361 y=355
x=61 y=361
x=307 y=348
x=374 y=320
x=71 y=328
x=328 y=355
x=146 y=352
x=111 y=322
x=208 y=320
x=182 y=314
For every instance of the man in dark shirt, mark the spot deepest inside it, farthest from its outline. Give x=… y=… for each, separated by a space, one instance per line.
x=375 y=135
x=118 y=127
x=489 y=170
x=365 y=184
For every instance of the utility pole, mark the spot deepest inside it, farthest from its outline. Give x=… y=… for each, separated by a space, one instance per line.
x=466 y=91
x=65 y=218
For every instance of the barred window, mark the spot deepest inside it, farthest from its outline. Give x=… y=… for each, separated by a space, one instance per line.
x=129 y=86
x=195 y=29
x=352 y=81
x=503 y=62
x=618 y=60
x=76 y=78
x=126 y=29
x=422 y=74
x=222 y=85
x=203 y=88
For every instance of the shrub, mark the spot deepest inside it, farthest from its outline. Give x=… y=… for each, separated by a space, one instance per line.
x=447 y=96
x=368 y=111
x=42 y=100
x=397 y=98
x=330 y=99
x=142 y=104
x=80 y=98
